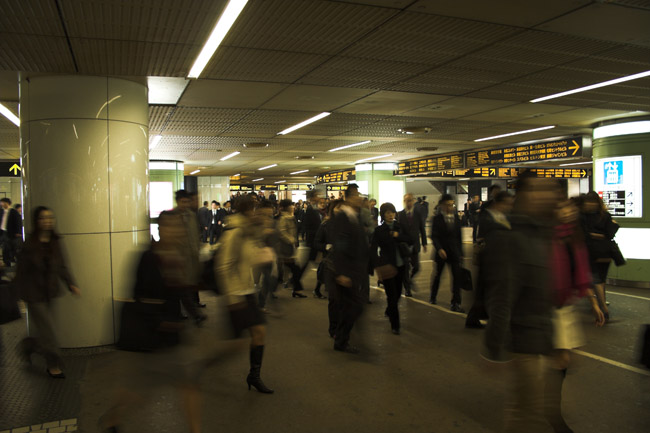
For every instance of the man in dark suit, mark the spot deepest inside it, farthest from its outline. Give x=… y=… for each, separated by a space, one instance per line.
x=474 y=211
x=446 y=237
x=412 y=222
x=11 y=231
x=204 y=221
x=216 y=222
x=311 y=221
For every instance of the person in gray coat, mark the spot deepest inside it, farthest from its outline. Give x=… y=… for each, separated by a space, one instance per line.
x=40 y=267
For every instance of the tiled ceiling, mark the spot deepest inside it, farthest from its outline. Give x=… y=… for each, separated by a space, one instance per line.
x=466 y=69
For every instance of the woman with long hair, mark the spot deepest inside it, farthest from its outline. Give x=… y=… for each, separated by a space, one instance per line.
x=389 y=261
x=40 y=267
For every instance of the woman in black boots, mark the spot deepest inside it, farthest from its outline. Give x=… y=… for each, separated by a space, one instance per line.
x=389 y=262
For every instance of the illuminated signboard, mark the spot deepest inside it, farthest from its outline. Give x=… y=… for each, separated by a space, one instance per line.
x=541 y=151
x=242 y=187
x=513 y=172
x=337 y=176
x=618 y=181
x=266 y=187
x=295 y=187
x=10 y=168
x=336 y=187
x=430 y=164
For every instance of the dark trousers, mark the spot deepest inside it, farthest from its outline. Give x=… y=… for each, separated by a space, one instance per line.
x=205 y=235
x=345 y=307
x=412 y=268
x=455 y=271
x=333 y=308
x=296 y=272
x=269 y=282
x=393 y=289
x=8 y=249
x=474 y=228
x=214 y=233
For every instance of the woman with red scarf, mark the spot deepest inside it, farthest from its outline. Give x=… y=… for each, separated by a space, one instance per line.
x=571 y=278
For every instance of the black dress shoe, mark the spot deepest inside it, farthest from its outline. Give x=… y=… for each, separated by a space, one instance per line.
x=318 y=295
x=456 y=308
x=297 y=295
x=408 y=294
x=433 y=302
x=347 y=349
x=395 y=331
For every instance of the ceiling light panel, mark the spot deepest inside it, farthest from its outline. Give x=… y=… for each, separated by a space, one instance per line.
x=325 y=27
x=9 y=115
x=304 y=123
x=165 y=90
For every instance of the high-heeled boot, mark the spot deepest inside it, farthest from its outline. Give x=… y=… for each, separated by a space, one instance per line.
x=254 y=379
x=553 y=400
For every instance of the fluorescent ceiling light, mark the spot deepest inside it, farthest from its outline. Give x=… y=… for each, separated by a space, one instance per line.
x=298 y=172
x=256 y=180
x=516 y=133
x=305 y=123
x=154 y=141
x=627 y=128
x=195 y=171
x=280 y=181
x=374 y=157
x=593 y=86
x=576 y=163
x=166 y=90
x=268 y=166
x=230 y=156
x=235 y=175
x=350 y=145
x=9 y=115
x=226 y=20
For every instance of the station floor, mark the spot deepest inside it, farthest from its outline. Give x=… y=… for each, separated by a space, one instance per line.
x=428 y=379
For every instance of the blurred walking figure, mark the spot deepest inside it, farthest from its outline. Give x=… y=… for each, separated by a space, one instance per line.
x=204 y=215
x=155 y=340
x=288 y=232
x=474 y=211
x=599 y=230
x=571 y=281
x=233 y=264
x=267 y=240
x=412 y=221
x=40 y=267
x=518 y=301
x=10 y=231
x=349 y=266
x=312 y=221
x=324 y=242
x=446 y=237
x=389 y=255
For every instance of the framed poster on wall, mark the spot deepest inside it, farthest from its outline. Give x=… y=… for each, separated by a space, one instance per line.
x=619 y=183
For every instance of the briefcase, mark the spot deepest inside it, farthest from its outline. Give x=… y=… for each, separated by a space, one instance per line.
x=9 y=310
x=465 y=279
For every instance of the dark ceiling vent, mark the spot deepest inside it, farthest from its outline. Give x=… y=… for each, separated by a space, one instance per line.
x=426 y=149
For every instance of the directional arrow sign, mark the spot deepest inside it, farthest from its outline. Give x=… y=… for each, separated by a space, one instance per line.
x=493 y=171
x=583 y=173
x=15 y=169
x=575 y=147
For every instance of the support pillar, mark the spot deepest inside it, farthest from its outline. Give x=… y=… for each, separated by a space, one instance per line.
x=85 y=153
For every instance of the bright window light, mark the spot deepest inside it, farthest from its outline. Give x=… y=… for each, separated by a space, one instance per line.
x=516 y=133
x=374 y=157
x=305 y=123
x=166 y=90
x=257 y=180
x=350 y=145
x=195 y=171
x=154 y=141
x=622 y=129
x=593 y=86
x=280 y=181
x=268 y=166
x=230 y=156
x=298 y=172
x=9 y=115
x=226 y=20
x=363 y=167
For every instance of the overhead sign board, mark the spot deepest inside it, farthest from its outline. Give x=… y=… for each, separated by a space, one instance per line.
x=10 y=168
x=337 y=176
x=539 y=151
x=430 y=164
x=242 y=187
x=513 y=172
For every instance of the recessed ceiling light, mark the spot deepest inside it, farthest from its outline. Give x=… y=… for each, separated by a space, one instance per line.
x=280 y=181
x=165 y=90
x=230 y=156
x=374 y=157
x=576 y=163
x=257 y=180
x=255 y=145
x=268 y=166
x=235 y=175
x=226 y=20
x=593 y=86
x=9 y=115
x=411 y=130
x=515 y=133
x=154 y=141
x=305 y=123
x=350 y=145
x=195 y=171
x=298 y=172
x=304 y=157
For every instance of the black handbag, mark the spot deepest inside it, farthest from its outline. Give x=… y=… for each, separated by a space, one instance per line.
x=617 y=256
x=465 y=279
x=140 y=328
x=9 y=310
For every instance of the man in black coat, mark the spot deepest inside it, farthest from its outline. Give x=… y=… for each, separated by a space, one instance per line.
x=204 y=221
x=446 y=237
x=474 y=211
x=311 y=221
x=412 y=222
x=11 y=228
x=217 y=216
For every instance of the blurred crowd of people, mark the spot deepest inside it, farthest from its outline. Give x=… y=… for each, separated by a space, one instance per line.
x=535 y=255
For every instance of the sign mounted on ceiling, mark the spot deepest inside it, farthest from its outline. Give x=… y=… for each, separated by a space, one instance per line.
x=429 y=164
x=10 y=168
x=619 y=183
x=513 y=172
x=571 y=147
x=337 y=176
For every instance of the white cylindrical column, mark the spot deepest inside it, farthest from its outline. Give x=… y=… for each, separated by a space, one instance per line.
x=85 y=154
